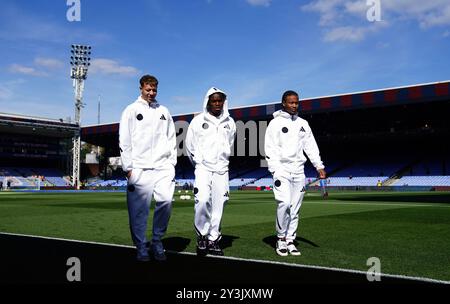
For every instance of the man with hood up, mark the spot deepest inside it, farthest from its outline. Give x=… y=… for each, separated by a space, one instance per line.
x=149 y=154
x=287 y=138
x=209 y=141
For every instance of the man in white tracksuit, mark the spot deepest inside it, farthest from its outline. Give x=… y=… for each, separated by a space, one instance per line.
x=148 y=151
x=209 y=141
x=287 y=138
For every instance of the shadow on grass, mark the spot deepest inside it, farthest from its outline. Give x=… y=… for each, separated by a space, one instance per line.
x=178 y=244
x=105 y=205
x=89 y=205
x=272 y=240
x=227 y=241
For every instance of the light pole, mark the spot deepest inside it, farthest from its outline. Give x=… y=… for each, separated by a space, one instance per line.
x=80 y=62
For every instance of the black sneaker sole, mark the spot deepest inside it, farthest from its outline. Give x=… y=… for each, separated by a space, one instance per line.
x=218 y=253
x=160 y=259
x=143 y=259
x=202 y=252
x=282 y=253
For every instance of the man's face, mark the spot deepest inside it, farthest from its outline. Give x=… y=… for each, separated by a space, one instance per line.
x=215 y=104
x=149 y=91
x=290 y=104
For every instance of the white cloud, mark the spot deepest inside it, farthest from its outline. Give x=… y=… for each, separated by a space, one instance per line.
x=49 y=63
x=259 y=2
x=109 y=66
x=346 y=20
x=358 y=8
x=7 y=89
x=36 y=108
x=19 y=25
x=413 y=7
x=436 y=18
x=328 y=10
x=40 y=67
x=25 y=70
x=426 y=13
x=5 y=93
x=345 y=33
x=352 y=33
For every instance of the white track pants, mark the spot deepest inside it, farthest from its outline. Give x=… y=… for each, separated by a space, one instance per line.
x=142 y=185
x=211 y=192
x=289 y=190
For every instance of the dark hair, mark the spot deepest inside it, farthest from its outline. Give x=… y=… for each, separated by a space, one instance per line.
x=148 y=79
x=288 y=93
x=220 y=94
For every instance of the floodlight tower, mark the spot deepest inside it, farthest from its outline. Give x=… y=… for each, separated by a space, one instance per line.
x=80 y=62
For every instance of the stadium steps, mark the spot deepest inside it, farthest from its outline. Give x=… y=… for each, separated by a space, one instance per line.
x=403 y=171
x=250 y=182
x=315 y=181
x=257 y=179
x=394 y=178
x=390 y=181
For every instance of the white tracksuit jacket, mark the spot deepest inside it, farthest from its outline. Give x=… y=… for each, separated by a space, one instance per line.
x=209 y=140
x=287 y=137
x=147 y=137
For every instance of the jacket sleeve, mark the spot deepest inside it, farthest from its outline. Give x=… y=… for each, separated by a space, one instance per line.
x=190 y=143
x=172 y=139
x=125 y=144
x=312 y=150
x=272 y=149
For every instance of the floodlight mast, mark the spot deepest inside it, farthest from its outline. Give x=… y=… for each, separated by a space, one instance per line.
x=80 y=61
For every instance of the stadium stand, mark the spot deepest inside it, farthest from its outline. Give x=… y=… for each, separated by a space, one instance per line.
x=355 y=181
x=27 y=177
x=429 y=167
x=109 y=183
x=247 y=178
x=53 y=176
x=423 y=181
x=262 y=182
x=371 y=167
x=35 y=150
x=395 y=136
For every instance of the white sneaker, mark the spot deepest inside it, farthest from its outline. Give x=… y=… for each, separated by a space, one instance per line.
x=292 y=249
x=281 y=248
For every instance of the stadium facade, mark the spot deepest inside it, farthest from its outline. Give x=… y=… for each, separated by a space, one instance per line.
x=390 y=134
x=382 y=134
x=32 y=147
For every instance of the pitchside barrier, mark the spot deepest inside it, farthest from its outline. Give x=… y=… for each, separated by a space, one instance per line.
x=251 y=188
x=386 y=188
x=374 y=188
x=355 y=188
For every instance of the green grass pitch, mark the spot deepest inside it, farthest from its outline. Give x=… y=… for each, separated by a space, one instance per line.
x=408 y=232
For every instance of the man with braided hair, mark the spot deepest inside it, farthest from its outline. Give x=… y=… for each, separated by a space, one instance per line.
x=209 y=140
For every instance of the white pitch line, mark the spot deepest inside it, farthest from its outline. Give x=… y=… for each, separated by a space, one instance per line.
x=67 y=240
x=422 y=279
x=381 y=204
x=396 y=276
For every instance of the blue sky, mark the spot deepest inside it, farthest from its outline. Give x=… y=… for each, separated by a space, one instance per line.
x=252 y=49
